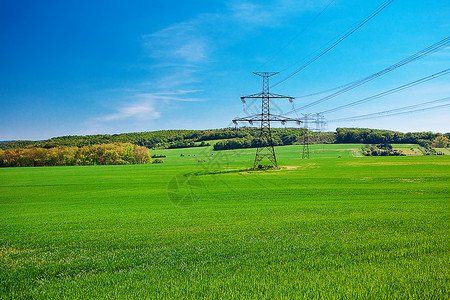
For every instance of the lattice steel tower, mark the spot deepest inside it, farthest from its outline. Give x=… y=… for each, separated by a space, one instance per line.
x=265 y=143
x=306 y=135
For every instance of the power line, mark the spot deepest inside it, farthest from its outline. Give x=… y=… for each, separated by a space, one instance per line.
x=390 y=115
x=339 y=40
x=327 y=91
x=298 y=34
x=433 y=48
x=394 y=111
x=397 y=89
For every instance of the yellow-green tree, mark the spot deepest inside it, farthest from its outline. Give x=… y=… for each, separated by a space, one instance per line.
x=440 y=142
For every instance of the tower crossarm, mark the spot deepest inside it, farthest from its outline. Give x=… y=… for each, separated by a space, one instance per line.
x=269 y=95
x=272 y=118
x=283 y=119
x=276 y=96
x=254 y=96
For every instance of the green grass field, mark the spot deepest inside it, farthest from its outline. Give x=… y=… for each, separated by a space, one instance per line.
x=203 y=226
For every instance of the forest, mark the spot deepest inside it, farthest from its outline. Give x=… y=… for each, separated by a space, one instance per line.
x=133 y=148
x=232 y=138
x=168 y=139
x=163 y=139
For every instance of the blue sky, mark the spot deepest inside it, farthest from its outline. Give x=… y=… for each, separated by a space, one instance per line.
x=97 y=67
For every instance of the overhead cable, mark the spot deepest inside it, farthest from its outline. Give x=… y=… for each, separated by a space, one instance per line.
x=397 y=89
x=390 y=115
x=327 y=91
x=431 y=49
x=393 y=111
x=298 y=34
x=339 y=40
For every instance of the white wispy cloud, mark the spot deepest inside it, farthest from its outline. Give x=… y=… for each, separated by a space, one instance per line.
x=445 y=52
x=175 y=78
x=193 y=51
x=181 y=50
x=270 y=14
x=179 y=92
x=250 y=13
x=146 y=106
x=167 y=97
x=141 y=111
x=182 y=43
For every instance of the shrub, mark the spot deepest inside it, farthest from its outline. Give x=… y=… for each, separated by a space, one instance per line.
x=265 y=167
x=104 y=154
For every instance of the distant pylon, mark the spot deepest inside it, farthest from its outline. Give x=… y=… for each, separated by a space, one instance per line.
x=305 y=145
x=321 y=124
x=314 y=125
x=265 y=145
x=306 y=138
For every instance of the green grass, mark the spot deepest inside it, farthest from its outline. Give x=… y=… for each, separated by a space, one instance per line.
x=328 y=227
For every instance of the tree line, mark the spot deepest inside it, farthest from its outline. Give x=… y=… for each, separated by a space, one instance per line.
x=231 y=138
x=377 y=136
x=104 y=154
x=162 y=139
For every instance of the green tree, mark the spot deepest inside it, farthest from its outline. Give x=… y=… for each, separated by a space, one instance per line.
x=440 y=142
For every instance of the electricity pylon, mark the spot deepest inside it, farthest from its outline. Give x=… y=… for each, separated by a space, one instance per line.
x=306 y=137
x=265 y=143
x=320 y=123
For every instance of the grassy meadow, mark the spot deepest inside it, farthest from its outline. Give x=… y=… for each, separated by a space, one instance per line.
x=203 y=225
